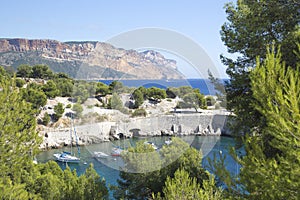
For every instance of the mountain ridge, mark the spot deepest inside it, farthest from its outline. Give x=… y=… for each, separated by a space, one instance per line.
x=87 y=59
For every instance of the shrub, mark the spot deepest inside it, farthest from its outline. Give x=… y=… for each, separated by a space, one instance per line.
x=139 y=112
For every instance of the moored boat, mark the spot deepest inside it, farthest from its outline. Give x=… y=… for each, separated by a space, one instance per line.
x=99 y=154
x=116 y=151
x=66 y=157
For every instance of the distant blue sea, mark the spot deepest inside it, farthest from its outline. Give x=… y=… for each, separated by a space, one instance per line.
x=204 y=85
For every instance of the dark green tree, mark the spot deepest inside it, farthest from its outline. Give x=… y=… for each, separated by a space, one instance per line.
x=59 y=110
x=183 y=90
x=46 y=119
x=140 y=173
x=146 y=170
x=65 y=86
x=20 y=178
x=4 y=73
x=95 y=188
x=80 y=92
x=172 y=92
x=24 y=71
x=116 y=87
x=194 y=100
x=271 y=167
x=182 y=186
x=36 y=97
x=77 y=108
x=138 y=98
x=50 y=89
x=156 y=93
x=252 y=27
x=42 y=72
x=115 y=102
x=102 y=89
x=20 y=82
x=19 y=140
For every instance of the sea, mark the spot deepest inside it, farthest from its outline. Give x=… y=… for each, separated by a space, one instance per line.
x=109 y=168
x=204 y=85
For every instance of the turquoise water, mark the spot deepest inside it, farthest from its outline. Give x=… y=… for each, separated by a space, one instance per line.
x=108 y=168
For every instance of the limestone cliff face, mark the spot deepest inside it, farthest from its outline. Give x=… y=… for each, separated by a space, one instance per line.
x=90 y=60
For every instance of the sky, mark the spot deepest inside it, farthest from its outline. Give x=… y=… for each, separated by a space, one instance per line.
x=100 y=20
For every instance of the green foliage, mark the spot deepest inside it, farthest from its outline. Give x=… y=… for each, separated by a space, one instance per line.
x=94 y=187
x=42 y=72
x=277 y=90
x=140 y=172
x=143 y=91
x=184 y=90
x=20 y=82
x=252 y=27
x=19 y=140
x=61 y=75
x=115 y=102
x=156 y=93
x=271 y=166
x=116 y=87
x=4 y=73
x=77 y=108
x=193 y=100
x=80 y=92
x=146 y=170
x=172 y=92
x=59 y=110
x=139 y=113
x=50 y=89
x=35 y=96
x=182 y=186
x=102 y=89
x=138 y=97
x=46 y=119
x=65 y=86
x=50 y=182
x=24 y=71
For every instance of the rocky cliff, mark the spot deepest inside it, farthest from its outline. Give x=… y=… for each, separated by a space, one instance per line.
x=88 y=60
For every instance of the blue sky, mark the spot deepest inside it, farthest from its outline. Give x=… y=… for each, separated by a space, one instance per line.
x=70 y=20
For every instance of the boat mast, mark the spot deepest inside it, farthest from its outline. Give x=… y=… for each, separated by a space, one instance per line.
x=71 y=139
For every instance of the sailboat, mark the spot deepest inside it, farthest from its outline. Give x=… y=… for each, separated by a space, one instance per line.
x=67 y=157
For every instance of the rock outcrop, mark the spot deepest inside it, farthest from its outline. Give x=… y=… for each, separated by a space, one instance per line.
x=88 y=60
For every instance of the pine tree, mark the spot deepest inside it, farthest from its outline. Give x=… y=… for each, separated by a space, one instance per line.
x=271 y=167
x=183 y=187
x=19 y=140
x=250 y=28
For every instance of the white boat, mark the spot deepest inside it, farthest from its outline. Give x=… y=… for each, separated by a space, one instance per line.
x=116 y=151
x=152 y=144
x=99 y=154
x=66 y=157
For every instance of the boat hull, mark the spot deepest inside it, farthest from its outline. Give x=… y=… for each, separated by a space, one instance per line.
x=66 y=158
x=99 y=154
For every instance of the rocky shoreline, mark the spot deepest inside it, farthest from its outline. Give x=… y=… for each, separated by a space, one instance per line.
x=206 y=123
